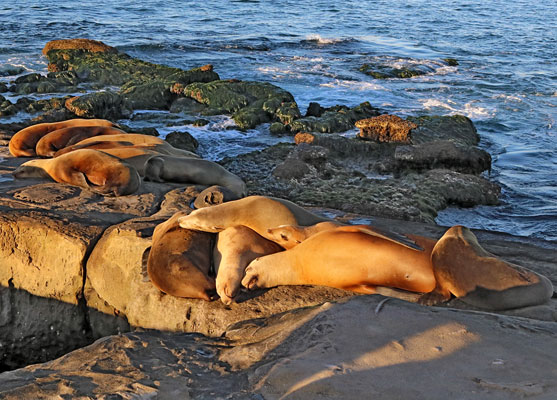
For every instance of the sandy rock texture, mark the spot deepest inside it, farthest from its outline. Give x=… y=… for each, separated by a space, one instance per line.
x=354 y=348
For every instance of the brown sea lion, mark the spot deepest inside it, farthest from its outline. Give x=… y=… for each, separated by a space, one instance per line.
x=162 y=168
x=128 y=140
x=235 y=248
x=180 y=260
x=464 y=269
x=53 y=141
x=348 y=258
x=100 y=172
x=213 y=196
x=343 y=258
x=256 y=212
x=23 y=143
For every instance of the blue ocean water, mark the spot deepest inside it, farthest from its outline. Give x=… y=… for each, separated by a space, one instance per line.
x=506 y=80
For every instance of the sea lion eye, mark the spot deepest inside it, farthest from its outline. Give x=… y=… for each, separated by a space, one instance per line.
x=283 y=236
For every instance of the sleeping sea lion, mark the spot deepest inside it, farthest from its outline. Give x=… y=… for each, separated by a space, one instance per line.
x=100 y=172
x=128 y=140
x=234 y=249
x=23 y=143
x=53 y=141
x=180 y=260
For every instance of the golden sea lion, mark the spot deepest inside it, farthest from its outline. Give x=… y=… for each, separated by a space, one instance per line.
x=464 y=269
x=100 y=172
x=180 y=260
x=53 y=141
x=234 y=249
x=128 y=140
x=163 y=168
x=346 y=257
x=23 y=143
x=256 y=212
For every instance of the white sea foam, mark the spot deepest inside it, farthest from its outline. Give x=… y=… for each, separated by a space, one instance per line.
x=321 y=40
x=470 y=109
x=353 y=85
x=278 y=72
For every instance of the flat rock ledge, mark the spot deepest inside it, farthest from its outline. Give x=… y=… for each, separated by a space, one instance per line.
x=363 y=347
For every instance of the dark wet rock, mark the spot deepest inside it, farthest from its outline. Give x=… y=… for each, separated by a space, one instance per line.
x=250 y=103
x=32 y=106
x=457 y=128
x=452 y=62
x=278 y=128
x=187 y=106
x=105 y=104
x=144 y=131
x=334 y=119
x=7 y=108
x=379 y=71
x=148 y=96
x=200 y=122
x=3 y=87
x=9 y=70
x=357 y=176
x=182 y=140
x=311 y=154
x=54 y=82
x=385 y=128
x=314 y=110
x=291 y=168
x=54 y=115
x=443 y=154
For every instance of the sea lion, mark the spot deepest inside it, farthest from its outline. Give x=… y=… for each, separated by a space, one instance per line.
x=136 y=140
x=213 y=196
x=464 y=269
x=100 y=172
x=269 y=217
x=180 y=259
x=53 y=141
x=162 y=168
x=256 y=212
x=234 y=249
x=289 y=236
x=347 y=258
x=23 y=143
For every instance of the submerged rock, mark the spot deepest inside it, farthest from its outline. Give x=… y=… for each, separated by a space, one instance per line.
x=379 y=71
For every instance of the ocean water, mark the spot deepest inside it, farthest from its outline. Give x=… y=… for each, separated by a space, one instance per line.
x=506 y=80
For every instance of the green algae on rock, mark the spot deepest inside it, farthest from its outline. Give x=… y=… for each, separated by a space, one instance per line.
x=250 y=103
x=386 y=72
x=334 y=119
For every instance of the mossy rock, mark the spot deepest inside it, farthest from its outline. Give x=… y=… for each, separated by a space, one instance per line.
x=386 y=72
x=107 y=105
x=250 y=103
x=334 y=119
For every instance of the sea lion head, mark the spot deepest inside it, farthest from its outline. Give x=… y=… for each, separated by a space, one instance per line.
x=286 y=236
x=30 y=169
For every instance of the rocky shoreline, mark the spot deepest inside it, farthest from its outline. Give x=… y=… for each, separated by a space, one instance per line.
x=71 y=260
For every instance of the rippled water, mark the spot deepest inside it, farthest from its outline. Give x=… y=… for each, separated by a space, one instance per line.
x=505 y=80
